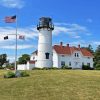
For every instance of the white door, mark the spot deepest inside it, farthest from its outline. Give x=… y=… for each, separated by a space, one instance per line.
x=77 y=65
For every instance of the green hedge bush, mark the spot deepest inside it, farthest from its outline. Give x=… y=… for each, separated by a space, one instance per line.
x=86 y=67
x=97 y=67
x=9 y=74
x=24 y=74
x=66 y=67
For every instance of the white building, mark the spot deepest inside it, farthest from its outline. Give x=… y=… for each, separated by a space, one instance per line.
x=73 y=57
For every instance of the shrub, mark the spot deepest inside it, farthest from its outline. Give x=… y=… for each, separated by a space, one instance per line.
x=24 y=74
x=45 y=68
x=91 y=68
x=1 y=67
x=9 y=74
x=10 y=67
x=54 y=68
x=66 y=67
x=97 y=66
x=86 y=67
x=36 y=68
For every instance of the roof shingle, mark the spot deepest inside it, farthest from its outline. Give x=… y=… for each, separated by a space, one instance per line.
x=69 y=50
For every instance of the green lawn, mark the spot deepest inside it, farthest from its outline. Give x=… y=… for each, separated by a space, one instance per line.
x=52 y=85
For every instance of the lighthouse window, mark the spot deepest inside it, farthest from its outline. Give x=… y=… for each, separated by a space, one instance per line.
x=47 y=55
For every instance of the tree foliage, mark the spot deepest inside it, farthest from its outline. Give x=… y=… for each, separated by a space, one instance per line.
x=3 y=59
x=89 y=48
x=97 y=57
x=23 y=59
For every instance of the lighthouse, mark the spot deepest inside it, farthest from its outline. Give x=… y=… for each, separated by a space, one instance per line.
x=44 y=56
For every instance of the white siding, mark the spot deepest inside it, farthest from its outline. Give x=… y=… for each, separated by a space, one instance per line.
x=22 y=67
x=30 y=66
x=44 y=46
x=55 y=59
x=76 y=62
x=33 y=57
x=65 y=58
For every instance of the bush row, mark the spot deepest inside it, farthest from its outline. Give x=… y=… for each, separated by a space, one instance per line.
x=54 y=68
x=84 y=67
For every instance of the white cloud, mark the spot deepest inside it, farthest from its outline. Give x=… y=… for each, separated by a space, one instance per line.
x=73 y=30
x=12 y=3
x=76 y=37
x=96 y=43
x=25 y=46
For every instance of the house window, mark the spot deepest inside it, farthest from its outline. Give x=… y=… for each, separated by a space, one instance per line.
x=88 y=64
x=47 y=55
x=63 y=56
x=69 y=63
x=75 y=54
x=76 y=63
x=62 y=63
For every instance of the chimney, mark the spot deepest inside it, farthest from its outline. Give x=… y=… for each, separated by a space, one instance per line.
x=79 y=46
x=61 y=43
x=67 y=45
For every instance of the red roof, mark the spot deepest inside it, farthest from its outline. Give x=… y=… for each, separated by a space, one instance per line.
x=69 y=50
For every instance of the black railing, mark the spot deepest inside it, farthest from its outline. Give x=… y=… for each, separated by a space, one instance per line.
x=50 y=26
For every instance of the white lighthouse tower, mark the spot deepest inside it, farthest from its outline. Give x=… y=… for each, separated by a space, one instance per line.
x=45 y=28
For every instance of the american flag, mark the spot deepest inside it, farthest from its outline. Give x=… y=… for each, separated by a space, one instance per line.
x=21 y=37
x=10 y=19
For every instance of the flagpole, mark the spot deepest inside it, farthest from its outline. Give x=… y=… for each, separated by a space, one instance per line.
x=16 y=46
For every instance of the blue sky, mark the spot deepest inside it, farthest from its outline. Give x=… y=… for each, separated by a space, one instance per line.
x=76 y=22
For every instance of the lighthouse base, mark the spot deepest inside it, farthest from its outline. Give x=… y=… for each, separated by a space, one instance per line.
x=44 y=64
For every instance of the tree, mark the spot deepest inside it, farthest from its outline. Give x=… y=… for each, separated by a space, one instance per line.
x=89 y=48
x=97 y=57
x=23 y=59
x=3 y=59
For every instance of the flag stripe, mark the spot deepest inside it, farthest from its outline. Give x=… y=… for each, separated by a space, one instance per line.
x=10 y=19
x=22 y=37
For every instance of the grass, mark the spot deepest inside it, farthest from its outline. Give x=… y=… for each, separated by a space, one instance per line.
x=52 y=85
